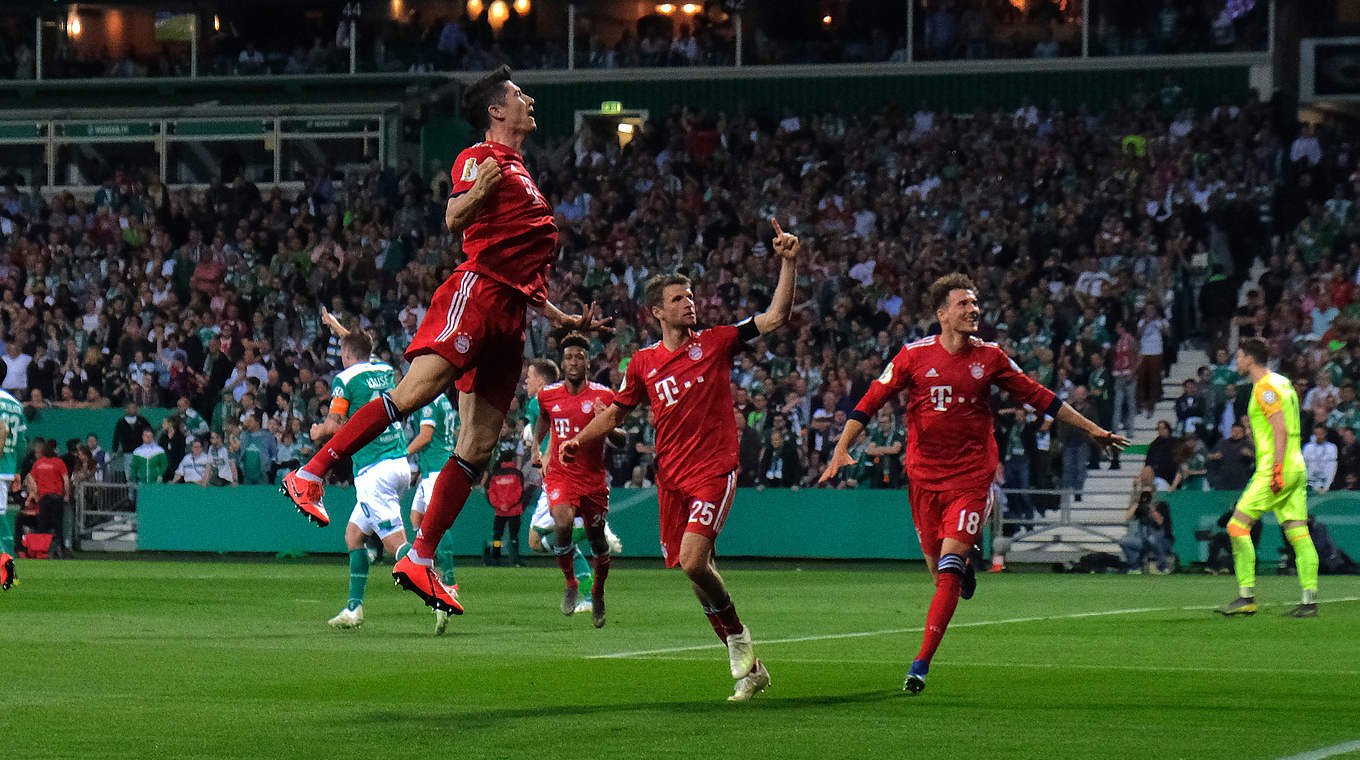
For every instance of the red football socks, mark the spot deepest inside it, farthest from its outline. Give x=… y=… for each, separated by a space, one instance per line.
x=941 y=610
x=600 y=565
x=717 y=624
x=565 y=560
x=365 y=425
x=724 y=619
x=450 y=493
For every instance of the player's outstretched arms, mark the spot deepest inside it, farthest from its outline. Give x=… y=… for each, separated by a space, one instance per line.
x=587 y=322
x=601 y=425
x=841 y=456
x=781 y=303
x=1104 y=439
x=462 y=209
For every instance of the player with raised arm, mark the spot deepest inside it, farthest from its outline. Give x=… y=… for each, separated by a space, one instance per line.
x=13 y=441
x=1278 y=486
x=685 y=379
x=951 y=447
x=381 y=472
x=434 y=441
x=472 y=337
x=579 y=488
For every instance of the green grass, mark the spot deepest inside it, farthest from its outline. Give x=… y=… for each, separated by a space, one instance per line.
x=103 y=658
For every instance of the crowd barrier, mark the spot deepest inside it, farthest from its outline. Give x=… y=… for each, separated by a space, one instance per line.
x=1193 y=511
x=772 y=523
x=65 y=424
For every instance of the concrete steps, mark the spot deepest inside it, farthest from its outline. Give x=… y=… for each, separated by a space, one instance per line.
x=1097 y=521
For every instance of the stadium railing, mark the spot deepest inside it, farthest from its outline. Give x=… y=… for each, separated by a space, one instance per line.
x=105 y=517
x=729 y=34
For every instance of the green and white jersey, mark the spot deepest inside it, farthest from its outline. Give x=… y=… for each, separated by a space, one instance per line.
x=357 y=385
x=194 y=422
x=440 y=415
x=12 y=413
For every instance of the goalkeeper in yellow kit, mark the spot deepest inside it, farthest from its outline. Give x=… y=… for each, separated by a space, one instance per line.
x=1278 y=485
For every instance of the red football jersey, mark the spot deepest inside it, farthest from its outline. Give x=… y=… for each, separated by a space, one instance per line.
x=950 y=440
x=691 y=397
x=567 y=414
x=513 y=238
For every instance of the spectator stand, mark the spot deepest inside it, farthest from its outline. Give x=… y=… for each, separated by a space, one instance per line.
x=61 y=154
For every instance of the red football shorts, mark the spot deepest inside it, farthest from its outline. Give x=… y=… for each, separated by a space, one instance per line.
x=958 y=513
x=591 y=507
x=701 y=508
x=477 y=324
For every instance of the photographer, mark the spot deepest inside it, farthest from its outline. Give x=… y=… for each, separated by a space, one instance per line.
x=1149 y=533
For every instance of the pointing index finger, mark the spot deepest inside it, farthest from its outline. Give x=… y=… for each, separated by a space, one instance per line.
x=777 y=229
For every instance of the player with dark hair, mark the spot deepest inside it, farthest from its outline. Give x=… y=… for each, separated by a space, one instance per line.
x=951 y=448
x=685 y=378
x=579 y=488
x=472 y=337
x=1279 y=485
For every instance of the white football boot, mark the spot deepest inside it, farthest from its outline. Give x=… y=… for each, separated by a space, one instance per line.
x=741 y=654
x=751 y=684
x=348 y=618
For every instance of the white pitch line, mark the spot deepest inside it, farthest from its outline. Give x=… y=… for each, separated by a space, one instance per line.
x=918 y=629
x=1332 y=751
x=1042 y=666
x=887 y=632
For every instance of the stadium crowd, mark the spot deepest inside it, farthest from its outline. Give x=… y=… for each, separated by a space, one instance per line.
x=1102 y=242
x=422 y=42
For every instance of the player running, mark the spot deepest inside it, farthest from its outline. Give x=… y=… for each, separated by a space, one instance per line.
x=577 y=488
x=473 y=335
x=685 y=378
x=434 y=443
x=539 y=374
x=1278 y=485
x=13 y=441
x=542 y=527
x=381 y=473
x=951 y=449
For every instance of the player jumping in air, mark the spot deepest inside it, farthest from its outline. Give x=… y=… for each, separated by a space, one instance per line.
x=381 y=473
x=434 y=443
x=579 y=488
x=951 y=448
x=1278 y=485
x=685 y=378
x=472 y=337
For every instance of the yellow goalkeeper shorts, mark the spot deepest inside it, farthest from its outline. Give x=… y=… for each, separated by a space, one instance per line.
x=1289 y=504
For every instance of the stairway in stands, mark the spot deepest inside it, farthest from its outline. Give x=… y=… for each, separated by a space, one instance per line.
x=1098 y=519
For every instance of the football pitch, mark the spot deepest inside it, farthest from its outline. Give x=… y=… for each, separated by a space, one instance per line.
x=176 y=659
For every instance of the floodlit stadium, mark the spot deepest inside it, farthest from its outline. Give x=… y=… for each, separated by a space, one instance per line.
x=754 y=378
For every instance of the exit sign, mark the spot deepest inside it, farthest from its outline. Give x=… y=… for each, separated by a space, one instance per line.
x=611 y=107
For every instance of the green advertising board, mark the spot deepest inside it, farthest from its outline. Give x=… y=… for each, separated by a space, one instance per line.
x=106 y=129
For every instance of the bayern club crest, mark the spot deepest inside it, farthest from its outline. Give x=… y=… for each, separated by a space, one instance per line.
x=461 y=344
x=696 y=352
x=976 y=371
x=586 y=407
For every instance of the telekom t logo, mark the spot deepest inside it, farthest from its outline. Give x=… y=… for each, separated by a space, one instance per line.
x=668 y=389
x=941 y=395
